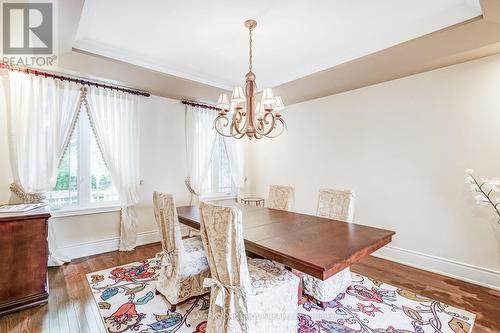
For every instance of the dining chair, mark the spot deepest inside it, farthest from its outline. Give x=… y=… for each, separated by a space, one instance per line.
x=184 y=264
x=336 y=205
x=254 y=296
x=281 y=197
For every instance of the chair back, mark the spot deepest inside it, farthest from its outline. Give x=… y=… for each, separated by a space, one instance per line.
x=336 y=204
x=222 y=235
x=281 y=197
x=169 y=228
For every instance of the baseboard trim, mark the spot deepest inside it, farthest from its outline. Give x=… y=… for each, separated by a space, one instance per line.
x=105 y=245
x=454 y=269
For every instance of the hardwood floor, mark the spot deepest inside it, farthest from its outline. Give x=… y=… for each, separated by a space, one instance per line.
x=72 y=309
x=483 y=302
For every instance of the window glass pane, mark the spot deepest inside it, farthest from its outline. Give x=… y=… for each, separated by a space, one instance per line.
x=101 y=187
x=66 y=190
x=219 y=179
x=83 y=179
x=225 y=180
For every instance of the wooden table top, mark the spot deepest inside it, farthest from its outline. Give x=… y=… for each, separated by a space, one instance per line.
x=317 y=246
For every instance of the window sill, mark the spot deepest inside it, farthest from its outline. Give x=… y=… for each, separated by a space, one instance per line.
x=217 y=196
x=75 y=211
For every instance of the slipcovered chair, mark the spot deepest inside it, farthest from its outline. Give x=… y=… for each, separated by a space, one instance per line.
x=184 y=264
x=281 y=197
x=256 y=296
x=336 y=205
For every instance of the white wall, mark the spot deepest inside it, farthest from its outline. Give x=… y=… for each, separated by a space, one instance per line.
x=163 y=164
x=402 y=146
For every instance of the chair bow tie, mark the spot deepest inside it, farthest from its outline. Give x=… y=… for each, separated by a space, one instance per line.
x=221 y=289
x=168 y=262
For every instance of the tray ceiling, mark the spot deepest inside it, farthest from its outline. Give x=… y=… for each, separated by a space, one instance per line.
x=206 y=41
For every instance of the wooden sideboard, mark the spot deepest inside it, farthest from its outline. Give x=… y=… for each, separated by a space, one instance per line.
x=23 y=258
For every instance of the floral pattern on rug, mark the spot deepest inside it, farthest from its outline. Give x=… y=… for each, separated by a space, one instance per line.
x=127 y=302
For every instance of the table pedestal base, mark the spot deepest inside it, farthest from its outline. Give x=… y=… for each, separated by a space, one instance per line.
x=325 y=291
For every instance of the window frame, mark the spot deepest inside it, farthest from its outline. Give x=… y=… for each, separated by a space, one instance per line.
x=84 y=203
x=214 y=177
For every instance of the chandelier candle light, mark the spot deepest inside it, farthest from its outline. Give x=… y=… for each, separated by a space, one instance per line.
x=240 y=116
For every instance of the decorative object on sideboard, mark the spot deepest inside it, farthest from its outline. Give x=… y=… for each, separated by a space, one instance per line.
x=240 y=116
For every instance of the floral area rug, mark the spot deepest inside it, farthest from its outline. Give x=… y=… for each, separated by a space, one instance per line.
x=127 y=302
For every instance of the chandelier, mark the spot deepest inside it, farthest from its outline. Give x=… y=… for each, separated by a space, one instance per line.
x=241 y=116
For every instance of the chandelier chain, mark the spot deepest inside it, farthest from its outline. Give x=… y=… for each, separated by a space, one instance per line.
x=250 y=60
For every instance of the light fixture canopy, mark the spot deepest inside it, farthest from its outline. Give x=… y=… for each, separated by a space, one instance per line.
x=241 y=117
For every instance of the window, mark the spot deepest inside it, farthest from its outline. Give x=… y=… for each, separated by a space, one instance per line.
x=83 y=180
x=219 y=180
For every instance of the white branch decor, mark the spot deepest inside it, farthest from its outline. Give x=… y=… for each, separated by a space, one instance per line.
x=485 y=191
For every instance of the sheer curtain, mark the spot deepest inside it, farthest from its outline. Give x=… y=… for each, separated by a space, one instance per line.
x=41 y=113
x=200 y=143
x=114 y=119
x=234 y=149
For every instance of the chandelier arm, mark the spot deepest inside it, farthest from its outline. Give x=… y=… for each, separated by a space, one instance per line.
x=223 y=134
x=260 y=125
x=239 y=136
x=234 y=133
x=283 y=128
x=220 y=118
x=237 y=119
x=265 y=132
x=217 y=122
x=234 y=128
x=258 y=122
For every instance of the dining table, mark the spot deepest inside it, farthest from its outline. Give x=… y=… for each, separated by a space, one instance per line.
x=318 y=246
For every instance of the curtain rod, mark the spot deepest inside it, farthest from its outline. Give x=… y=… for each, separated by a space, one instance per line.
x=73 y=79
x=198 y=105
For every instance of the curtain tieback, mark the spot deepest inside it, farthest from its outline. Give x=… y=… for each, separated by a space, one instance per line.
x=27 y=197
x=189 y=187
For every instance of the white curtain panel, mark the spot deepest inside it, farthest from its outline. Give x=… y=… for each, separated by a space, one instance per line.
x=114 y=119
x=41 y=114
x=200 y=142
x=235 y=153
